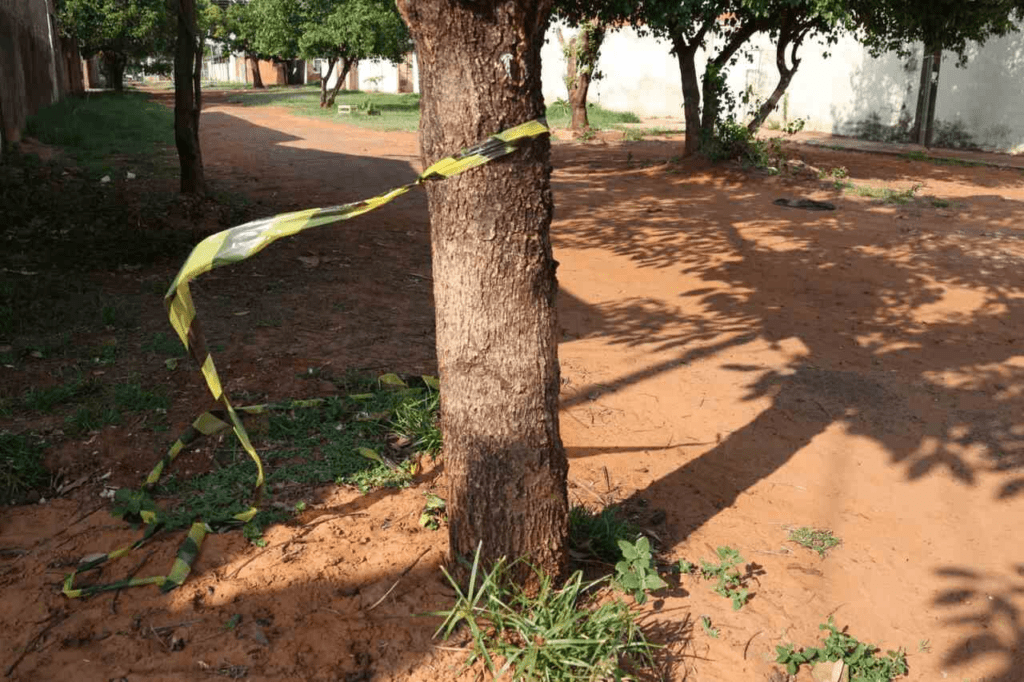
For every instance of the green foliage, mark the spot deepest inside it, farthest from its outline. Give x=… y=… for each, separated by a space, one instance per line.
x=131 y=396
x=821 y=541
x=46 y=399
x=598 y=534
x=416 y=421
x=353 y=29
x=862 y=659
x=731 y=141
x=635 y=574
x=555 y=635
x=433 y=512
x=729 y=581
x=130 y=28
x=938 y=24
x=21 y=466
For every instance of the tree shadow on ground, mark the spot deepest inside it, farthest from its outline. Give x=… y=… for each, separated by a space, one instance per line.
x=909 y=331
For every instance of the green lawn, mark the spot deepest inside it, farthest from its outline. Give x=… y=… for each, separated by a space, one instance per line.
x=398 y=112
x=101 y=129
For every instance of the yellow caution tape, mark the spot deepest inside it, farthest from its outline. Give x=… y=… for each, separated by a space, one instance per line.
x=231 y=246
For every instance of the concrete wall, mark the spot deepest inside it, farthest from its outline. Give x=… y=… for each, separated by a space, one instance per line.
x=837 y=94
x=34 y=69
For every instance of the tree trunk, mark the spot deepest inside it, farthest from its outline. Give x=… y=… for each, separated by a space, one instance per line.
x=188 y=99
x=257 y=79
x=711 y=96
x=786 y=73
x=346 y=64
x=581 y=54
x=494 y=284
x=934 y=93
x=113 y=66
x=323 y=81
x=691 y=93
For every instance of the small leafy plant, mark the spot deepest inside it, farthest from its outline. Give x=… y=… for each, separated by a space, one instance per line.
x=433 y=512
x=598 y=534
x=862 y=659
x=728 y=579
x=705 y=625
x=634 y=574
x=821 y=541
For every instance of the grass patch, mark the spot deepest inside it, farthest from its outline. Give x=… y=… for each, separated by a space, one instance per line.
x=167 y=345
x=561 y=634
x=46 y=399
x=597 y=534
x=821 y=541
x=863 y=661
x=131 y=396
x=351 y=440
x=92 y=418
x=559 y=115
x=96 y=128
x=21 y=466
x=398 y=111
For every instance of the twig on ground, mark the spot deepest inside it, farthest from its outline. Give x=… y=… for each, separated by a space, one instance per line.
x=400 y=576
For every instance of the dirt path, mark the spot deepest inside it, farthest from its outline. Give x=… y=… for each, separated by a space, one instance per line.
x=732 y=369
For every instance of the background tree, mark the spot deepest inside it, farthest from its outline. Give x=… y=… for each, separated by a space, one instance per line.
x=494 y=282
x=276 y=28
x=581 y=52
x=236 y=30
x=792 y=22
x=347 y=31
x=118 y=31
x=938 y=25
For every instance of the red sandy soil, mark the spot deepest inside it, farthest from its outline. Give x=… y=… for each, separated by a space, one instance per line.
x=731 y=369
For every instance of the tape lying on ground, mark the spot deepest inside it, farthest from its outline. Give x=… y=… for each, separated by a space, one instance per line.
x=225 y=248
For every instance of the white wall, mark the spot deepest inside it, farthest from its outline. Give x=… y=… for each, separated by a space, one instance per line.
x=834 y=94
x=378 y=67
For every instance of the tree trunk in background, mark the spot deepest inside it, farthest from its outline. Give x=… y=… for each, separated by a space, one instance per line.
x=934 y=93
x=583 y=47
x=691 y=93
x=710 y=97
x=323 y=81
x=188 y=99
x=113 y=67
x=346 y=64
x=788 y=39
x=257 y=79
x=494 y=284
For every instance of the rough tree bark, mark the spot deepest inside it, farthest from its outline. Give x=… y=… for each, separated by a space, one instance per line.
x=113 y=66
x=791 y=36
x=494 y=283
x=582 y=47
x=324 y=77
x=257 y=79
x=188 y=99
x=346 y=65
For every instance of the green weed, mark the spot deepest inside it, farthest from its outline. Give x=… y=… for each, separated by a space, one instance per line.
x=705 y=625
x=729 y=582
x=21 y=466
x=862 y=659
x=821 y=541
x=635 y=573
x=416 y=421
x=556 y=635
x=598 y=534
x=940 y=203
x=433 y=512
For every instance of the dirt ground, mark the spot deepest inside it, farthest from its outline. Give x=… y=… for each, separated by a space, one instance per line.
x=731 y=368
